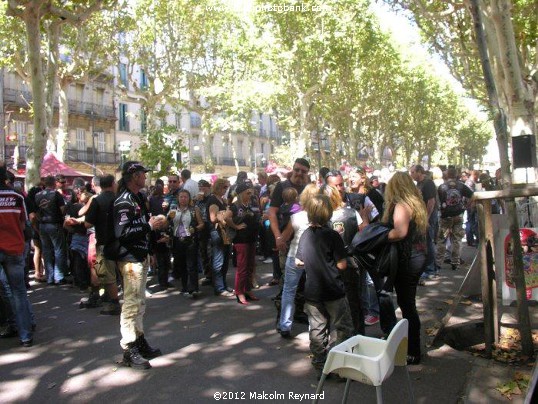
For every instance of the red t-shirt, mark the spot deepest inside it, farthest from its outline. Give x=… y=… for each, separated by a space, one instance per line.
x=12 y=213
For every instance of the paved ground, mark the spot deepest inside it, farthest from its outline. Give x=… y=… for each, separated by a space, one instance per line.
x=213 y=345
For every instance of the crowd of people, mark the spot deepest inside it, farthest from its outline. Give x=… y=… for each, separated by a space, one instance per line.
x=107 y=235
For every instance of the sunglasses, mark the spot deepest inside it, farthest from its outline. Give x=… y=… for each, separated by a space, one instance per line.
x=135 y=167
x=61 y=182
x=333 y=174
x=300 y=170
x=172 y=181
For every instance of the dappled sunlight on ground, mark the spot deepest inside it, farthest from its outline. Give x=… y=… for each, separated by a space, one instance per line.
x=17 y=390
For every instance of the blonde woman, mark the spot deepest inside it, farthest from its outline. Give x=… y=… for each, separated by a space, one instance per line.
x=406 y=212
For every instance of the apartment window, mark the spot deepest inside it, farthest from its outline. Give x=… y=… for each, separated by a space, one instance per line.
x=101 y=145
x=225 y=148
x=123 y=120
x=79 y=92
x=239 y=149
x=123 y=75
x=100 y=96
x=178 y=120
x=81 y=139
x=195 y=146
x=196 y=120
x=143 y=80
x=262 y=146
x=21 y=128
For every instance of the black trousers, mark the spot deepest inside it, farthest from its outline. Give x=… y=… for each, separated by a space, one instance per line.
x=406 y=291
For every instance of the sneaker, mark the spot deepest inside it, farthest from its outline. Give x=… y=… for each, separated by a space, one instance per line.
x=371 y=320
x=285 y=334
x=268 y=261
x=422 y=281
x=454 y=267
x=28 y=343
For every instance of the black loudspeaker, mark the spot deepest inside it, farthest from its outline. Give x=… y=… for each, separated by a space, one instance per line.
x=524 y=151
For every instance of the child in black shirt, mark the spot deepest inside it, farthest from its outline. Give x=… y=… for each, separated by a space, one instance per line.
x=322 y=252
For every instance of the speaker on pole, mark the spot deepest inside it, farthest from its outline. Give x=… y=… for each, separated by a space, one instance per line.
x=524 y=151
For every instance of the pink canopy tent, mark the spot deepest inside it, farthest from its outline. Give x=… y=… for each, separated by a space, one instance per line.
x=52 y=166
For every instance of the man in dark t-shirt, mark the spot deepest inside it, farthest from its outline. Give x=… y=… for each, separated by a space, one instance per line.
x=428 y=190
x=298 y=180
x=103 y=268
x=51 y=208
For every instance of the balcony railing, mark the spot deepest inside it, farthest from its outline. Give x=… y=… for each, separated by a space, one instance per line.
x=86 y=156
x=9 y=151
x=89 y=108
x=230 y=161
x=23 y=98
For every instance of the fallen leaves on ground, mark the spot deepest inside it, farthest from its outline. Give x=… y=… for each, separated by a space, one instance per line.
x=514 y=387
x=508 y=349
x=432 y=331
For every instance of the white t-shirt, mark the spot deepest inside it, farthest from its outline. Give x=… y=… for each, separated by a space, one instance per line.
x=299 y=222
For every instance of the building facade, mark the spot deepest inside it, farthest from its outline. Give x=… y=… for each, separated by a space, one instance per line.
x=105 y=116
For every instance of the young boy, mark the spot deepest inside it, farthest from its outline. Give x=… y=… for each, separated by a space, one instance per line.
x=321 y=251
x=289 y=207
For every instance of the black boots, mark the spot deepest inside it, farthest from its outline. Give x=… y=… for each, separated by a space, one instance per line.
x=137 y=354
x=133 y=358
x=145 y=349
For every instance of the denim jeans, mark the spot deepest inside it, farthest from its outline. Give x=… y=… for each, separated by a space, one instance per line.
x=221 y=258
x=12 y=267
x=369 y=297
x=287 y=306
x=54 y=251
x=471 y=226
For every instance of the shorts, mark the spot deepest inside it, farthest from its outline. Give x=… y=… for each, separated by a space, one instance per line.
x=104 y=268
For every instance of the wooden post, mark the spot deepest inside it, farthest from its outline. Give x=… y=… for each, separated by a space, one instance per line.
x=487 y=304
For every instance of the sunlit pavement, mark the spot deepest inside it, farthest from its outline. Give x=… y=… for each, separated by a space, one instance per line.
x=213 y=349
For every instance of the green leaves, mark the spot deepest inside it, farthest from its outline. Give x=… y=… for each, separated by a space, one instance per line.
x=160 y=148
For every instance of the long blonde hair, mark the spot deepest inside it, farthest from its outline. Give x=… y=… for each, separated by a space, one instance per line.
x=402 y=189
x=334 y=196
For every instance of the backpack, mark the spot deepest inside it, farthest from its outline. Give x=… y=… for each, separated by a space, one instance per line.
x=453 y=201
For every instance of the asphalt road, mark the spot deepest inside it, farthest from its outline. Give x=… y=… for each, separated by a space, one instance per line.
x=213 y=348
